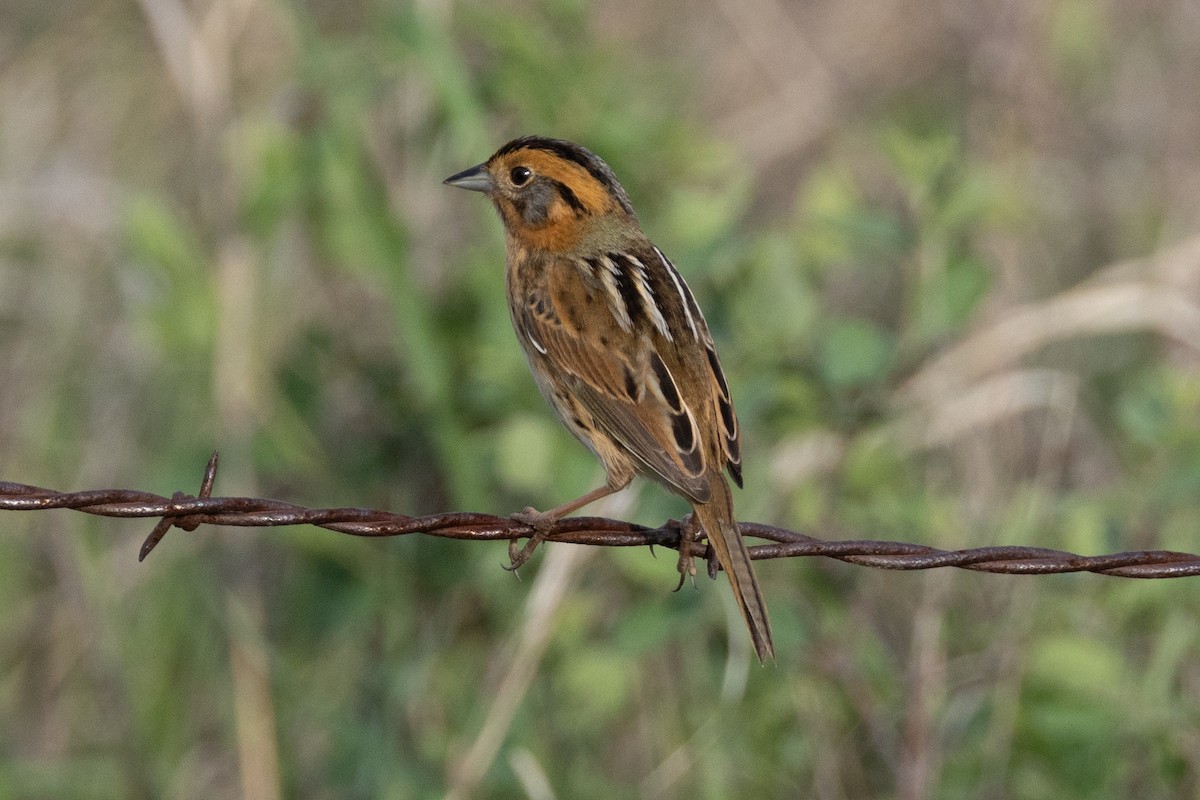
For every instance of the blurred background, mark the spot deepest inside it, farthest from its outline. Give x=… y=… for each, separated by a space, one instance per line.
x=950 y=252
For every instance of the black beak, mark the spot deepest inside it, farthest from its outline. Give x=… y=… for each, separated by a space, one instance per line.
x=475 y=179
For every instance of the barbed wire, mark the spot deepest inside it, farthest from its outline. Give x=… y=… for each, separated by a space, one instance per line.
x=189 y=512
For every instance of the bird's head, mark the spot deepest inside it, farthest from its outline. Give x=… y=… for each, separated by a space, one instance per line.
x=548 y=191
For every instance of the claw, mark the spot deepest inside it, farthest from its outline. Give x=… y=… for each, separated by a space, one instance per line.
x=513 y=554
x=683 y=576
x=687 y=562
x=519 y=558
x=714 y=565
x=541 y=523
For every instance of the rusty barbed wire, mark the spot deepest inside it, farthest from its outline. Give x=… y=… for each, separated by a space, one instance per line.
x=189 y=512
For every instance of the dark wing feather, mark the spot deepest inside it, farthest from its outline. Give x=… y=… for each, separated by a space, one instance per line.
x=618 y=379
x=652 y=445
x=688 y=311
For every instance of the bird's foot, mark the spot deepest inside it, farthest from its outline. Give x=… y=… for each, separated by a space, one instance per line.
x=542 y=523
x=688 y=533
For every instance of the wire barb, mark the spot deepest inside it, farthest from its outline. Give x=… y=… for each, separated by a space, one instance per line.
x=188 y=513
x=187 y=523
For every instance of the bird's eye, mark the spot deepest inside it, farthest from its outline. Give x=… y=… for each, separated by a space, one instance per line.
x=520 y=175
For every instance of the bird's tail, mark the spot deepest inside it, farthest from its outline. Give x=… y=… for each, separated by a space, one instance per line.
x=716 y=518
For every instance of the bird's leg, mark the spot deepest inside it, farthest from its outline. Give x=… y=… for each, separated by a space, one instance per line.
x=543 y=522
x=689 y=532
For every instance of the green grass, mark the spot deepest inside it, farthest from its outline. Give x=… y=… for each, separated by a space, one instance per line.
x=231 y=234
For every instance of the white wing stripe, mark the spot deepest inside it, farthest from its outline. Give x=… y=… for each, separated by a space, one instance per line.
x=608 y=276
x=642 y=283
x=685 y=295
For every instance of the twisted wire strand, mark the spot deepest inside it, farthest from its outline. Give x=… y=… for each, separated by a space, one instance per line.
x=188 y=512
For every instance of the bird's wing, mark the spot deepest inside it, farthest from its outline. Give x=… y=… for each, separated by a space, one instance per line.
x=600 y=328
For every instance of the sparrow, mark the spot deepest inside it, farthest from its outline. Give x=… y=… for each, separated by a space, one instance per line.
x=618 y=347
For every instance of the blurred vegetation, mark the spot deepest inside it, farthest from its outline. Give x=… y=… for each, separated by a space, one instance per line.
x=948 y=252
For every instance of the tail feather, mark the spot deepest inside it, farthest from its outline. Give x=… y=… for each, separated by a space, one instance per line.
x=716 y=518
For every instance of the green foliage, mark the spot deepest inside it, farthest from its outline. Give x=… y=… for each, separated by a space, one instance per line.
x=258 y=257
